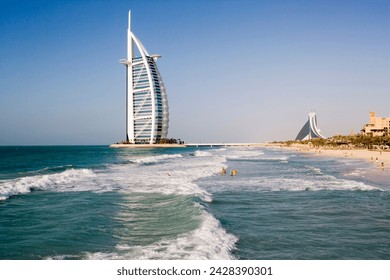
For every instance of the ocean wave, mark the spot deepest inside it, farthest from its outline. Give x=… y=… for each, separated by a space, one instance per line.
x=30 y=173
x=315 y=170
x=177 y=175
x=282 y=158
x=63 y=181
x=327 y=184
x=236 y=154
x=154 y=159
x=208 y=242
x=253 y=155
x=259 y=184
x=168 y=180
x=200 y=153
x=63 y=257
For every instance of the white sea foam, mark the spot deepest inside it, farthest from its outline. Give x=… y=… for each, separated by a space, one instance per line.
x=356 y=172
x=253 y=154
x=239 y=153
x=292 y=179
x=209 y=241
x=315 y=170
x=176 y=176
x=329 y=183
x=282 y=158
x=202 y=153
x=171 y=174
x=62 y=257
x=155 y=159
x=64 y=181
x=261 y=184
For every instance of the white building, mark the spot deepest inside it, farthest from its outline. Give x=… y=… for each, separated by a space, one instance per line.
x=310 y=129
x=147 y=113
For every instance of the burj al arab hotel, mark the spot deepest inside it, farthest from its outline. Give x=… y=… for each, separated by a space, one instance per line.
x=147 y=113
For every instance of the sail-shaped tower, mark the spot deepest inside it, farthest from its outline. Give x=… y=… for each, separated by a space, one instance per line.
x=147 y=113
x=310 y=129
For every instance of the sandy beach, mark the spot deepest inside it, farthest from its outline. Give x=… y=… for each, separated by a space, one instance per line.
x=375 y=157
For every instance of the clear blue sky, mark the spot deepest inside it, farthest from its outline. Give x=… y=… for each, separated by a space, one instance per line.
x=235 y=70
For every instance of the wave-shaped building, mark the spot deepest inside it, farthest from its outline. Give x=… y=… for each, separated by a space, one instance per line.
x=310 y=129
x=147 y=116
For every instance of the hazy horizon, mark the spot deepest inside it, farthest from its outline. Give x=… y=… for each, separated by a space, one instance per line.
x=235 y=71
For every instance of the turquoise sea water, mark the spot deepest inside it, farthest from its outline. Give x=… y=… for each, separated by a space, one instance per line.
x=93 y=202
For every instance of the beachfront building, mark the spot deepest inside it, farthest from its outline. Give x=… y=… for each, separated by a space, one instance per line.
x=310 y=129
x=377 y=126
x=147 y=113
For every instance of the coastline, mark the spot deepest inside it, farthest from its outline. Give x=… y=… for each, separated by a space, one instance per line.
x=187 y=145
x=375 y=157
x=147 y=146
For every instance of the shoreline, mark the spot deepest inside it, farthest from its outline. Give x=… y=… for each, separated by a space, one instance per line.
x=187 y=145
x=375 y=157
x=137 y=146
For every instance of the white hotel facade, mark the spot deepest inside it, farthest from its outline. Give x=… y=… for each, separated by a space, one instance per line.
x=147 y=113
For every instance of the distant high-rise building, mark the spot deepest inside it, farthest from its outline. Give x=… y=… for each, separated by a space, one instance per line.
x=310 y=129
x=147 y=113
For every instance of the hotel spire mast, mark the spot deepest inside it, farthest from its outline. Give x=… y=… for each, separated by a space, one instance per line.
x=129 y=85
